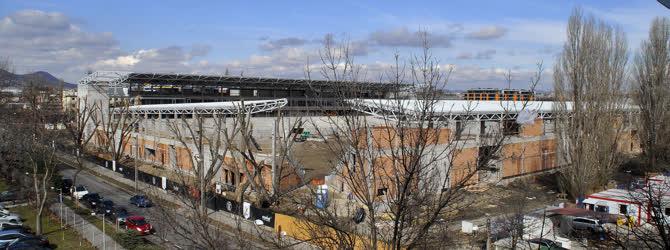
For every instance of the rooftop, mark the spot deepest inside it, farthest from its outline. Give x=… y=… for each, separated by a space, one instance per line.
x=121 y=78
x=456 y=109
x=224 y=108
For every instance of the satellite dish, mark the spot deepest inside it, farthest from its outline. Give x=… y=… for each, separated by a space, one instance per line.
x=665 y=3
x=526 y=117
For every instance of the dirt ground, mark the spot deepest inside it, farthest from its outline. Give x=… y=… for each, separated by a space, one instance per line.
x=531 y=193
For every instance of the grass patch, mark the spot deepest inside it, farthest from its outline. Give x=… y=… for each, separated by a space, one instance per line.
x=67 y=238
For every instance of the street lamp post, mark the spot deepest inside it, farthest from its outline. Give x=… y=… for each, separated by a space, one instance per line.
x=104 y=235
x=137 y=154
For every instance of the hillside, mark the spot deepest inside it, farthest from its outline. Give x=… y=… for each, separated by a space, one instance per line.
x=17 y=80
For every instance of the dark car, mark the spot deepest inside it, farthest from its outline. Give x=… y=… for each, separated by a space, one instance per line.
x=140 y=201
x=91 y=200
x=66 y=186
x=11 y=226
x=139 y=224
x=119 y=214
x=104 y=207
x=33 y=242
x=546 y=244
x=8 y=196
x=9 y=236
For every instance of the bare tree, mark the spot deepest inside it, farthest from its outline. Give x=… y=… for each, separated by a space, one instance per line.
x=651 y=78
x=6 y=71
x=654 y=203
x=35 y=147
x=206 y=140
x=652 y=91
x=282 y=165
x=588 y=83
x=116 y=126
x=405 y=171
x=81 y=126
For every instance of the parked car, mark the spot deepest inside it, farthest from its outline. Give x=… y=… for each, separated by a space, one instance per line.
x=105 y=207
x=583 y=223
x=79 y=192
x=4 y=210
x=33 y=243
x=120 y=214
x=139 y=224
x=8 y=196
x=66 y=186
x=10 y=218
x=140 y=201
x=546 y=244
x=11 y=225
x=9 y=236
x=91 y=200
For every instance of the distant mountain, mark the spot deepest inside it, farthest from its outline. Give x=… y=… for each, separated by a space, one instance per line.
x=18 y=80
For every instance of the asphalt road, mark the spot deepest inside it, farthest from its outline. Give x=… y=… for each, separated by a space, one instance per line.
x=121 y=197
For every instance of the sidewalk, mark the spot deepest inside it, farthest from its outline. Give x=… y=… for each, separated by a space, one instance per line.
x=225 y=218
x=89 y=231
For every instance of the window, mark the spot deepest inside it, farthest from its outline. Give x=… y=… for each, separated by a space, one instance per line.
x=667 y=211
x=382 y=191
x=459 y=129
x=623 y=209
x=485 y=156
x=603 y=209
x=510 y=127
x=580 y=220
x=590 y=206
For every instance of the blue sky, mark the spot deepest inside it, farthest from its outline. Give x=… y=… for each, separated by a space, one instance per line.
x=481 y=39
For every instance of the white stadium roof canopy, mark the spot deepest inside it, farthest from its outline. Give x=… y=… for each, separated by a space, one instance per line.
x=459 y=109
x=221 y=108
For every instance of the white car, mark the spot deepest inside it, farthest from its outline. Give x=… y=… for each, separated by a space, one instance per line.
x=79 y=192
x=9 y=218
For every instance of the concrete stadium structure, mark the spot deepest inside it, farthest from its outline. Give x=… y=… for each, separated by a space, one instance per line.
x=159 y=99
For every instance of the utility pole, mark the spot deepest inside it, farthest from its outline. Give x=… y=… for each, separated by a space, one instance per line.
x=274 y=156
x=200 y=161
x=104 y=235
x=488 y=233
x=60 y=200
x=137 y=154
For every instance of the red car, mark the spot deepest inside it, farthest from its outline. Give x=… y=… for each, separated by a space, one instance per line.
x=139 y=224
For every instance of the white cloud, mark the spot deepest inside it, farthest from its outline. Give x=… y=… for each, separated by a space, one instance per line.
x=121 y=61
x=536 y=31
x=403 y=37
x=488 y=33
x=37 y=40
x=277 y=44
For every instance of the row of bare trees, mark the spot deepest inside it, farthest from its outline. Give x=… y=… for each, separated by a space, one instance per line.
x=27 y=135
x=650 y=91
x=598 y=99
